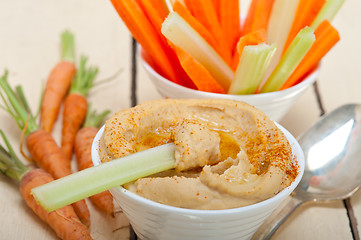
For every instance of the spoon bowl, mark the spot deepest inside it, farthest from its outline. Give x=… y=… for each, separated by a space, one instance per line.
x=332 y=160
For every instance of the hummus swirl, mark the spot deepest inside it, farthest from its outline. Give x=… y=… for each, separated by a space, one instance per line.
x=228 y=153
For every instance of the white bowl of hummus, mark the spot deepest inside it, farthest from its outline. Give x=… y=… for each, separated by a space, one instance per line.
x=234 y=166
x=274 y=104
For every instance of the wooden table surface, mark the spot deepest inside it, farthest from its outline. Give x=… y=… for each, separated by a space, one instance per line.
x=29 y=48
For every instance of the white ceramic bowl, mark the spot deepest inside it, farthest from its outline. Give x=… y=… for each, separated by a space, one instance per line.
x=274 y=104
x=155 y=221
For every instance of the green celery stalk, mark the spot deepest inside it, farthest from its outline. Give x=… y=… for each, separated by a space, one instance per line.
x=181 y=34
x=105 y=176
x=251 y=68
x=292 y=57
x=328 y=11
x=280 y=22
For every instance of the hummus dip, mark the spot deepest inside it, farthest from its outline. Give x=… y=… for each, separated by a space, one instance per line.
x=228 y=153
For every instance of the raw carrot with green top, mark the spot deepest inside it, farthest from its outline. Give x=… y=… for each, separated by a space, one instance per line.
x=252 y=38
x=63 y=221
x=40 y=143
x=76 y=105
x=58 y=83
x=83 y=143
x=326 y=37
x=306 y=12
x=257 y=16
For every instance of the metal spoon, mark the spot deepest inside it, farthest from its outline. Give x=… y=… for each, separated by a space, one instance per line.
x=332 y=170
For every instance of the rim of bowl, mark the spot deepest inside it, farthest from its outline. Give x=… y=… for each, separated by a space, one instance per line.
x=307 y=81
x=296 y=150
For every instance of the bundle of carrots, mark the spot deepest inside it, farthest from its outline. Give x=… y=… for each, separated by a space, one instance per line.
x=63 y=221
x=204 y=45
x=68 y=85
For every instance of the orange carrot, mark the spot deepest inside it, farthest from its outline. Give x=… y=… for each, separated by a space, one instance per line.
x=252 y=38
x=197 y=26
x=76 y=105
x=199 y=74
x=58 y=83
x=40 y=143
x=156 y=12
x=305 y=14
x=145 y=34
x=326 y=37
x=63 y=221
x=83 y=142
x=230 y=22
x=257 y=16
x=50 y=157
x=205 y=12
x=217 y=4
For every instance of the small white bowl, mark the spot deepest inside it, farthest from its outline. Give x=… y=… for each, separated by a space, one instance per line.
x=274 y=104
x=152 y=220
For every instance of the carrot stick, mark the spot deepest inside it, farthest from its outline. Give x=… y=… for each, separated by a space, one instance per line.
x=205 y=12
x=181 y=34
x=83 y=142
x=63 y=221
x=306 y=12
x=156 y=12
x=179 y=8
x=199 y=74
x=58 y=83
x=75 y=106
x=145 y=34
x=40 y=144
x=252 y=38
x=217 y=4
x=230 y=22
x=257 y=16
x=326 y=37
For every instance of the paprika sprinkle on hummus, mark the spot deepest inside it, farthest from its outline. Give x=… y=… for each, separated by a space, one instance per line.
x=228 y=153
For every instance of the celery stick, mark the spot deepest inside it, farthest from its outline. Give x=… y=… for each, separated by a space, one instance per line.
x=292 y=57
x=251 y=68
x=280 y=22
x=328 y=11
x=181 y=34
x=91 y=181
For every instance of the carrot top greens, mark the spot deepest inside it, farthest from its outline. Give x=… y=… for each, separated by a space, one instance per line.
x=84 y=78
x=10 y=164
x=16 y=105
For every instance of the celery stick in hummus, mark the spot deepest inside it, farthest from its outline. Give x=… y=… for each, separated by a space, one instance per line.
x=228 y=154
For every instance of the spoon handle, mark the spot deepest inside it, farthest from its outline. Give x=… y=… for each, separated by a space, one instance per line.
x=274 y=221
